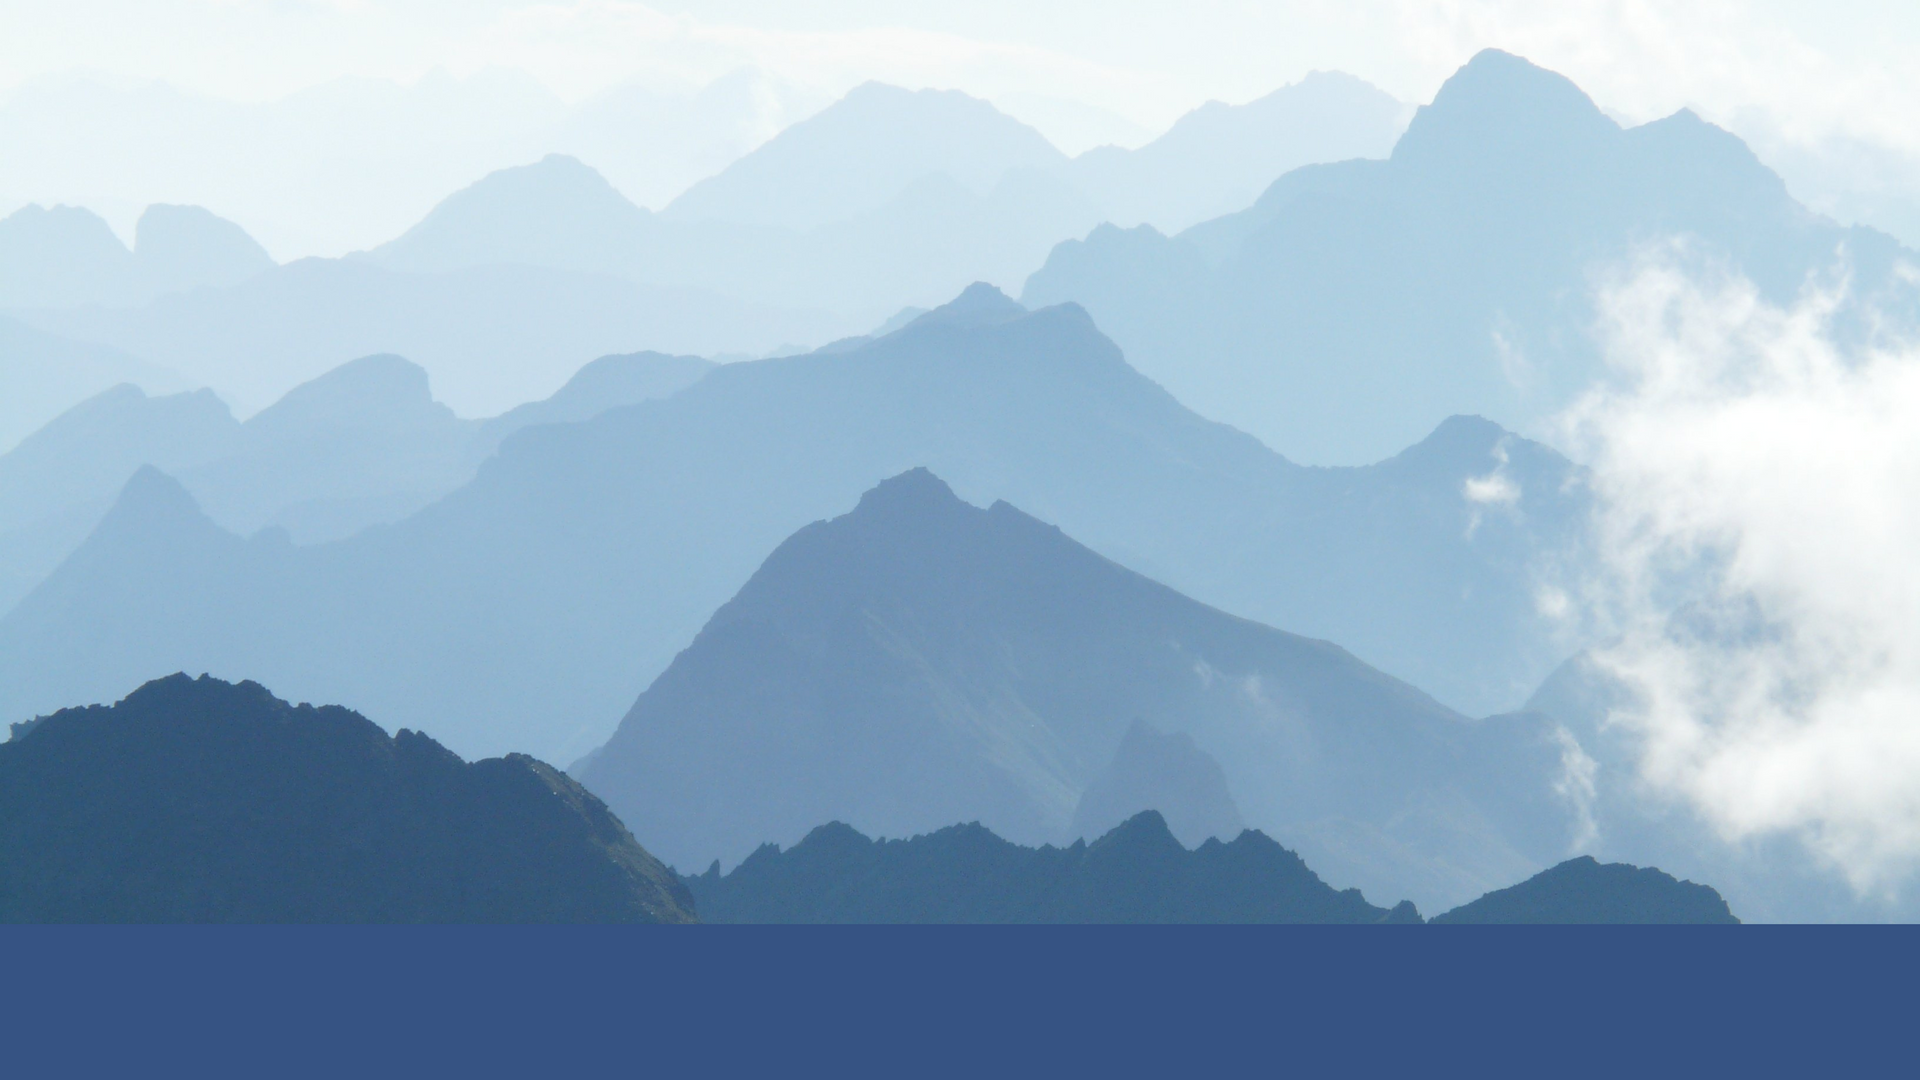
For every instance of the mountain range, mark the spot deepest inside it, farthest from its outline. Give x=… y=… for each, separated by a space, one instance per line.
x=887 y=198
x=66 y=256
x=920 y=661
x=1355 y=304
x=1137 y=873
x=364 y=444
x=195 y=800
x=591 y=553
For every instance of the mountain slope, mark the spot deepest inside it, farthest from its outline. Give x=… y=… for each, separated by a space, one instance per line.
x=1584 y=891
x=201 y=801
x=492 y=336
x=593 y=552
x=919 y=661
x=1358 y=303
x=1136 y=873
x=1219 y=158
x=57 y=484
x=556 y=213
x=860 y=153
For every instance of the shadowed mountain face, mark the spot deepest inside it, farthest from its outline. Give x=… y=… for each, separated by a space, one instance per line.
x=920 y=661
x=1356 y=304
x=201 y=801
x=592 y=553
x=1168 y=773
x=1137 y=873
x=1584 y=891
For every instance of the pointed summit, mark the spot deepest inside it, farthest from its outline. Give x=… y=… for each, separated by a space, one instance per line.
x=979 y=304
x=151 y=500
x=557 y=212
x=916 y=491
x=1502 y=111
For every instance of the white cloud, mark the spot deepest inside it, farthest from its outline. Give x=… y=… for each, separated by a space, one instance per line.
x=1759 y=486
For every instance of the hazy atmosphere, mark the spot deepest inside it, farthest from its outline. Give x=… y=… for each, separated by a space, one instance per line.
x=1383 y=462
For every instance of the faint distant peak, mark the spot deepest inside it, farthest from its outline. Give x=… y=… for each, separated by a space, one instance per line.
x=912 y=493
x=358 y=390
x=1500 y=105
x=979 y=304
x=151 y=499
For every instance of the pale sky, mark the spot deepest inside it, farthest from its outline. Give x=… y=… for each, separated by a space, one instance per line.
x=1083 y=72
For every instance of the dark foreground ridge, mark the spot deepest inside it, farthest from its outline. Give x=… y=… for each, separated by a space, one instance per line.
x=1584 y=891
x=1138 y=873
x=196 y=800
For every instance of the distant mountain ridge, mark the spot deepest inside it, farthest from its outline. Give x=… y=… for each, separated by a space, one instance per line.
x=593 y=552
x=1137 y=873
x=195 y=800
x=1357 y=303
x=66 y=256
x=363 y=445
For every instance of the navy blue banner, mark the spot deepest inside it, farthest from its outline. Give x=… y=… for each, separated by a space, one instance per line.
x=901 y=1002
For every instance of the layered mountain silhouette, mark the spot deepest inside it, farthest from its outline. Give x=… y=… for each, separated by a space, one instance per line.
x=861 y=153
x=1218 y=158
x=921 y=661
x=66 y=256
x=1162 y=772
x=1585 y=891
x=363 y=445
x=45 y=375
x=492 y=336
x=1358 y=303
x=591 y=553
x=1137 y=873
x=195 y=800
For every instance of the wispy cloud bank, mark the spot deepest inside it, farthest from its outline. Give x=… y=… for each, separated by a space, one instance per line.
x=1759 y=535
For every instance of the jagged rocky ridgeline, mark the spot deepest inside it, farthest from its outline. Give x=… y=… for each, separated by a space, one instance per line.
x=196 y=800
x=1138 y=873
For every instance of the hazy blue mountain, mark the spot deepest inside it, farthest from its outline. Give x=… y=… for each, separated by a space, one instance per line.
x=61 y=256
x=1584 y=891
x=557 y=213
x=185 y=247
x=918 y=245
x=1218 y=158
x=67 y=256
x=1137 y=873
x=194 y=800
x=920 y=661
x=606 y=383
x=1163 y=772
x=592 y=553
x=860 y=153
x=492 y=337
x=45 y=375
x=56 y=485
x=1358 y=303
x=362 y=445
